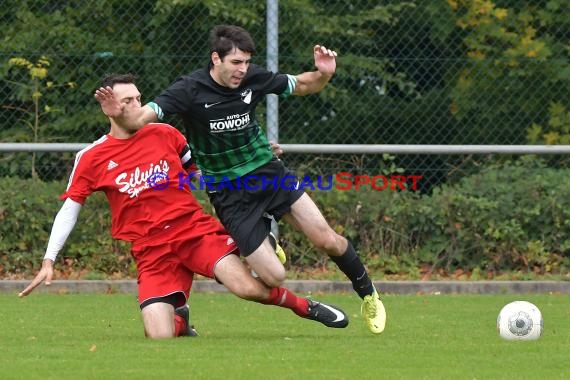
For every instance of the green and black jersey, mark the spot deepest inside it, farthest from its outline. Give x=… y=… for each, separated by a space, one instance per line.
x=226 y=139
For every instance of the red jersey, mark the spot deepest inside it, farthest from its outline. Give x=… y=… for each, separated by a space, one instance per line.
x=141 y=177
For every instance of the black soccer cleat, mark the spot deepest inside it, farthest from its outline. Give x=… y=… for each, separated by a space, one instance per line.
x=184 y=312
x=328 y=315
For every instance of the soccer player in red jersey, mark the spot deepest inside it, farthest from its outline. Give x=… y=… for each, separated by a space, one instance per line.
x=140 y=169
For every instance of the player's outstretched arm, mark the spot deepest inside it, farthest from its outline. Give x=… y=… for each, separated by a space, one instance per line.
x=313 y=81
x=63 y=224
x=45 y=274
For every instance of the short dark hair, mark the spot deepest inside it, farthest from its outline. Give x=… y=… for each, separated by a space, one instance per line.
x=112 y=79
x=224 y=38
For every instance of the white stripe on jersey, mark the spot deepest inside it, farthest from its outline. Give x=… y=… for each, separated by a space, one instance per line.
x=157 y=110
x=78 y=157
x=186 y=157
x=291 y=84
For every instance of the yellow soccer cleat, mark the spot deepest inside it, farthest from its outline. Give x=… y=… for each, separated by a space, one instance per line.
x=278 y=249
x=374 y=313
x=280 y=254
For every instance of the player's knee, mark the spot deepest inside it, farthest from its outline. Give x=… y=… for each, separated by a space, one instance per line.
x=251 y=290
x=159 y=333
x=279 y=276
x=328 y=241
x=273 y=282
x=278 y=279
x=159 y=336
x=275 y=278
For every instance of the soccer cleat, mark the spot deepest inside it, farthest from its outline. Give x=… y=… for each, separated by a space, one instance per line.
x=374 y=313
x=280 y=254
x=184 y=312
x=328 y=315
x=278 y=249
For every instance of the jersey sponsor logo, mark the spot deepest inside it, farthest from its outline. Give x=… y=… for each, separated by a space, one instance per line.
x=206 y=105
x=135 y=182
x=230 y=123
x=246 y=96
x=112 y=165
x=158 y=181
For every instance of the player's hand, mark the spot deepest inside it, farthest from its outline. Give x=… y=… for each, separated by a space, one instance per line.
x=45 y=274
x=109 y=103
x=277 y=150
x=325 y=60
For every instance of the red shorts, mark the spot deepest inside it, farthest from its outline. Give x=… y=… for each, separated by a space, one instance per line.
x=166 y=262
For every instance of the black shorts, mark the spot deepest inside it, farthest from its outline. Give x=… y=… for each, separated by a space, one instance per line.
x=241 y=204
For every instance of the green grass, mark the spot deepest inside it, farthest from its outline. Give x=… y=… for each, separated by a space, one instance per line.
x=47 y=336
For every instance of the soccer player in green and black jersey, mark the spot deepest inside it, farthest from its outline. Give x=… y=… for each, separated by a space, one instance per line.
x=245 y=181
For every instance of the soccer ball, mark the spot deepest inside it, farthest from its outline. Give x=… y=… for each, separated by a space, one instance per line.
x=520 y=320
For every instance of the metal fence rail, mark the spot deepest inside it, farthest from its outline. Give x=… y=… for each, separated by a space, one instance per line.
x=341 y=148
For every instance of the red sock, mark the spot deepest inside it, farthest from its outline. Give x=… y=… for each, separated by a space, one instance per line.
x=283 y=297
x=179 y=326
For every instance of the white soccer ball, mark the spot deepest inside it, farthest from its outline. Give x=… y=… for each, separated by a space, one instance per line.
x=520 y=320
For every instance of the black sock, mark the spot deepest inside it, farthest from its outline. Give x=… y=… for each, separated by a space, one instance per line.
x=349 y=263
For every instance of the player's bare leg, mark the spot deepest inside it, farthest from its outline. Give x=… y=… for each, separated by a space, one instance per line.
x=162 y=321
x=306 y=217
x=231 y=272
x=158 y=320
x=266 y=264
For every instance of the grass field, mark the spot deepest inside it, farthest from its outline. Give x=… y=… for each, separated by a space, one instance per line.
x=47 y=336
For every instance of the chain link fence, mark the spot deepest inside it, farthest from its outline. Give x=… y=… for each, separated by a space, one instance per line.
x=408 y=72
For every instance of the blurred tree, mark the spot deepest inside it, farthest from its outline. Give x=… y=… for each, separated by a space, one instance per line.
x=518 y=57
x=32 y=86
